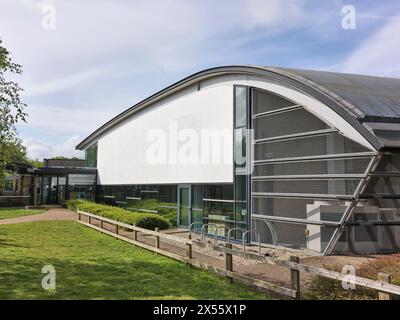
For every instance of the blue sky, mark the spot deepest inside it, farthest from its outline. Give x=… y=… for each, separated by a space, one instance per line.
x=104 y=56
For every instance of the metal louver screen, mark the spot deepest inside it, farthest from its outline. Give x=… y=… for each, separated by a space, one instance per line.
x=306 y=146
x=289 y=122
x=264 y=101
x=342 y=166
x=336 y=187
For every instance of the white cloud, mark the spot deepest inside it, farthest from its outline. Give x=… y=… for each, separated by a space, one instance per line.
x=379 y=54
x=38 y=149
x=56 y=121
x=261 y=13
x=65 y=82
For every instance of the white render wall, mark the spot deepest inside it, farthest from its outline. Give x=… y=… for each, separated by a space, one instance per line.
x=126 y=152
x=123 y=152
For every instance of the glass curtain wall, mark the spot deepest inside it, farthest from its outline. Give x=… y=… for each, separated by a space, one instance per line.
x=81 y=186
x=305 y=174
x=160 y=199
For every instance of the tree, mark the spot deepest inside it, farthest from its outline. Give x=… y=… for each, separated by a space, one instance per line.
x=64 y=158
x=11 y=112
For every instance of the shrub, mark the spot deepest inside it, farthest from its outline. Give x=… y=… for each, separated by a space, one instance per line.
x=73 y=204
x=323 y=288
x=140 y=219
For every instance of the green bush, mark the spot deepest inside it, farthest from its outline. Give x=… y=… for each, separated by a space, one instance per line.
x=140 y=219
x=73 y=204
x=164 y=209
x=322 y=288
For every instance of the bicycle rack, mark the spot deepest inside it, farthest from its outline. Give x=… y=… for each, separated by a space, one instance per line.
x=202 y=229
x=233 y=229
x=191 y=225
x=258 y=238
x=216 y=233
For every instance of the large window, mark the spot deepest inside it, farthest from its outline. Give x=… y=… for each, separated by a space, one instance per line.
x=91 y=156
x=159 y=199
x=81 y=186
x=242 y=140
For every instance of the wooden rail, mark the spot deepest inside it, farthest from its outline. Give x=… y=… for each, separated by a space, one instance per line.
x=382 y=285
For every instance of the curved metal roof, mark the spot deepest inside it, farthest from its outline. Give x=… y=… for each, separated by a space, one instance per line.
x=370 y=104
x=372 y=98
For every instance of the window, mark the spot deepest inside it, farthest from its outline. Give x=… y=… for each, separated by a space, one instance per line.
x=91 y=156
x=240 y=106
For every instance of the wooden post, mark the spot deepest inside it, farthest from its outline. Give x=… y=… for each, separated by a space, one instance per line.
x=135 y=235
x=229 y=262
x=295 y=277
x=116 y=229
x=101 y=224
x=90 y=219
x=79 y=216
x=384 y=277
x=189 y=252
x=157 y=238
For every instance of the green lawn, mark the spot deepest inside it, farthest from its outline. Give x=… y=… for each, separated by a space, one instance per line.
x=91 y=265
x=6 y=213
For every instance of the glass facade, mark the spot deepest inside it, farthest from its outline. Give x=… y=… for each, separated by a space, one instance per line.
x=161 y=199
x=16 y=190
x=81 y=186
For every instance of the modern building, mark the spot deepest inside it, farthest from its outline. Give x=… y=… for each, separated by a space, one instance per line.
x=300 y=159
x=53 y=183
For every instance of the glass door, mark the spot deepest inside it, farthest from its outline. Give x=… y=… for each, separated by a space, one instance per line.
x=184 y=206
x=62 y=181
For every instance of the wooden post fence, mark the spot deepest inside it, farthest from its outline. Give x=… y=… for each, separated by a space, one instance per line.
x=384 y=277
x=189 y=252
x=229 y=262
x=157 y=238
x=382 y=285
x=295 y=277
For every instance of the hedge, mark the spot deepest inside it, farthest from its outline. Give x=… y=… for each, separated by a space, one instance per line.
x=140 y=219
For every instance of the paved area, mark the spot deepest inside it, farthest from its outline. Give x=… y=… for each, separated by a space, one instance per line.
x=51 y=214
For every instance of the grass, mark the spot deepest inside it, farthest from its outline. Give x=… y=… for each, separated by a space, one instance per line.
x=91 y=265
x=6 y=213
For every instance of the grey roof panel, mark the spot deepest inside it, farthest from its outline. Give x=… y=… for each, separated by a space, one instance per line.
x=373 y=97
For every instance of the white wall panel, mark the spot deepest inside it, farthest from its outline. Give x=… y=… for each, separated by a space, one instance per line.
x=124 y=152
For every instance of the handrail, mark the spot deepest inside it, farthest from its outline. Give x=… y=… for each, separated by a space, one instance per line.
x=258 y=238
x=202 y=229
x=216 y=233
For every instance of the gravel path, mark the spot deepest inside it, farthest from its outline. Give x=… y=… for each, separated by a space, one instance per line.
x=51 y=214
